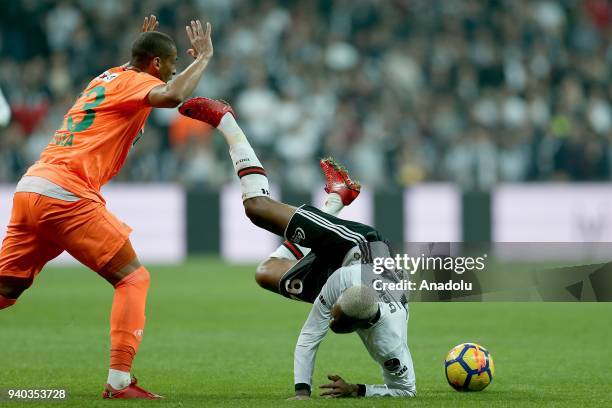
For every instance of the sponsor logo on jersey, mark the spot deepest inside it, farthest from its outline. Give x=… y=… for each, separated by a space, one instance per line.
x=294 y=286
x=392 y=364
x=395 y=367
x=322 y=299
x=106 y=76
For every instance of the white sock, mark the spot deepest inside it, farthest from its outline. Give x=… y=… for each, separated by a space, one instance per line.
x=231 y=131
x=333 y=205
x=289 y=250
x=253 y=180
x=118 y=379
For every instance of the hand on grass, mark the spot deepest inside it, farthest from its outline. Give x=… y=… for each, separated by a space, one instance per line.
x=339 y=388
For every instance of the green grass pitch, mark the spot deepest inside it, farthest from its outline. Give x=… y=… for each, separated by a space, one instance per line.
x=214 y=338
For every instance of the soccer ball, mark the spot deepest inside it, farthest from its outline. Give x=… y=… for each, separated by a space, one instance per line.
x=469 y=367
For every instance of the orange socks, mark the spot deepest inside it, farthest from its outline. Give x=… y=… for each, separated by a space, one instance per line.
x=128 y=318
x=6 y=302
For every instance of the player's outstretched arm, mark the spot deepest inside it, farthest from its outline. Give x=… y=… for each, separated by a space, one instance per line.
x=339 y=388
x=180 y=88
x=398 y=374
x=314 y=330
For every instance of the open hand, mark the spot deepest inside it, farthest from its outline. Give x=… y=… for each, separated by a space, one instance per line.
x=338 y=388
x=150 y=24
x=201 y=43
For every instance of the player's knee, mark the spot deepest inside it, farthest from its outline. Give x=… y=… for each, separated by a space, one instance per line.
x=262 y=274
x=142 y=279
x=269 y=273
x=139 y=277
x=146 y=277
x=124 y=263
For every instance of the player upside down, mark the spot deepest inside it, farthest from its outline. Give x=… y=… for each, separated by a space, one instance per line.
x=58 y=206
x=320 y=262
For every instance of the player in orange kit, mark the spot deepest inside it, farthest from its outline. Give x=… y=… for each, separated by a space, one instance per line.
x=58 y=207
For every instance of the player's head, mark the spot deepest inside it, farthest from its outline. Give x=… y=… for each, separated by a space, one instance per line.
x=357 y=308
x=155 y=53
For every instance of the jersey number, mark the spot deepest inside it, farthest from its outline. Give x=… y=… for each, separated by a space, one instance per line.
x=294 y=286
x=65 y=137
x=90 y=113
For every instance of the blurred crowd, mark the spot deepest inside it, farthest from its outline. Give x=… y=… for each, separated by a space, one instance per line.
x=401 y=91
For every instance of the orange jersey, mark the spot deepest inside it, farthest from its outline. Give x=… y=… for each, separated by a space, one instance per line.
x=97 y=133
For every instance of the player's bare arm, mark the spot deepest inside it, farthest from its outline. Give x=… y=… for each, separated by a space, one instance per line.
x=180 y=88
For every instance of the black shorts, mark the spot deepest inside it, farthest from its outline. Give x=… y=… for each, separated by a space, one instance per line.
x=330 y=239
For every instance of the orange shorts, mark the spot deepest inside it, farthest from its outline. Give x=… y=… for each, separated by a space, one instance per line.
x=42 y=227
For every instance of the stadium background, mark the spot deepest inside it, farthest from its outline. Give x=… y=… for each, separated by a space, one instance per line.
x=472 y=94
x=465 y=120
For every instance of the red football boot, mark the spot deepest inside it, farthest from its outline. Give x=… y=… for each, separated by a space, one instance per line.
x=206 y=110
x=337 y=180
x=132 y=391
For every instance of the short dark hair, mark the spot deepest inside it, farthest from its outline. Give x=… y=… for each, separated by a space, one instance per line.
x=151 y=44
